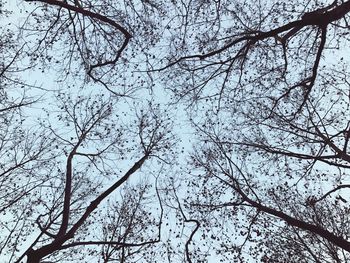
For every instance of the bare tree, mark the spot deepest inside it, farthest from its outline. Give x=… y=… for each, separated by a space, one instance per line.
x=24 y=149
x=103 y=42
x=92 y=144
x=129 y=229
x=269 y=105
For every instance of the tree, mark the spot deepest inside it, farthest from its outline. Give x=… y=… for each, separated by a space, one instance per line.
x=273 y=147
x=92 y=142
x=23 y=150
x=82 y=144
x=131 y=219
x=265 y=88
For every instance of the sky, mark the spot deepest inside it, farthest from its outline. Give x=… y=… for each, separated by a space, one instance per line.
x=47 y=84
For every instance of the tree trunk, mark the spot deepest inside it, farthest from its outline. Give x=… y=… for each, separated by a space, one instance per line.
x=33 y=256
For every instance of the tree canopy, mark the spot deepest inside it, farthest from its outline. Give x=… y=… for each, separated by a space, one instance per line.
x=174 y=131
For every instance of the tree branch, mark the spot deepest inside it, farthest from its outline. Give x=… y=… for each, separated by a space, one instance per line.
x=332 y=191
